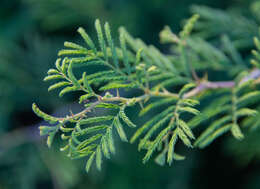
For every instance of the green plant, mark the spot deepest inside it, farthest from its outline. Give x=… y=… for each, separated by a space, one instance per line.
x=167 y=87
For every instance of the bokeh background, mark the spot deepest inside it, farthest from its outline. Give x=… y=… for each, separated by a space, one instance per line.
x=32 y=32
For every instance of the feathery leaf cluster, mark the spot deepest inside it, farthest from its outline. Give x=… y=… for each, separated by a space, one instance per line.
x=168 y=83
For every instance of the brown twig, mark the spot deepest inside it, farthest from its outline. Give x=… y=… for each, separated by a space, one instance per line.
x=203 y=85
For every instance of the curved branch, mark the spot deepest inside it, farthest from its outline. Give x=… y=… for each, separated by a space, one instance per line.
x=204 y=85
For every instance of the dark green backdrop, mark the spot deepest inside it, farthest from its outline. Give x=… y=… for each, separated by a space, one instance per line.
x=31 y=32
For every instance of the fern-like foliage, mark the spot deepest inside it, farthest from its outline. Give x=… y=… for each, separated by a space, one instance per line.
x=216 y=22
x=170 y=90
x=176 y=128
x=92 y=136
x=226 y=110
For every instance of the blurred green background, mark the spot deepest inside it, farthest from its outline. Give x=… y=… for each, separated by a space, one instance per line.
x=31 y=33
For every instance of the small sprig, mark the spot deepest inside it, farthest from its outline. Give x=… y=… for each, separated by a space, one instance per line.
x=170 y=95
